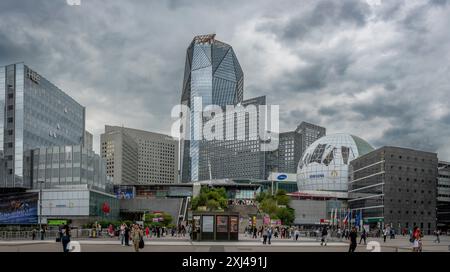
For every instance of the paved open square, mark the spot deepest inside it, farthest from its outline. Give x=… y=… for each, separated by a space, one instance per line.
x=245 y=244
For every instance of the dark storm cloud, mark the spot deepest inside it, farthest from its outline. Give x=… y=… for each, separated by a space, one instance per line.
x=377 y=71
x=319 y=15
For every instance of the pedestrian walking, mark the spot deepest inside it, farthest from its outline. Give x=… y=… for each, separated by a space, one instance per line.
x=137 y=235
x=147 y=232
x=339 y=234
x=417 y=239
x=33 y=234
x=65 y=238
x=437 y=233
x=324 y=236
x=42 y=233
x=269 y=235
x=297 y=234
x=353 y=235
x=127 y=235
x=363 y=237
x=122 y=234
x=255 y=233
x=265 y=234
x=385 y=233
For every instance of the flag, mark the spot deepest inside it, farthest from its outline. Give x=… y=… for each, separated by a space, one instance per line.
x=331 y=217
x=360 y=219
x=336 y=217
x=346 y=218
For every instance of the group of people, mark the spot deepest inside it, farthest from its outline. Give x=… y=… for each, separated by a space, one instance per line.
x=135 y=233
x=282 y=232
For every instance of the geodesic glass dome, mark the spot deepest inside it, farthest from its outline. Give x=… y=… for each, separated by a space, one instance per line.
x=324 y=165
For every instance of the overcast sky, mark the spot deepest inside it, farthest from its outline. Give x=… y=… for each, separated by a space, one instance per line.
x=378 y=69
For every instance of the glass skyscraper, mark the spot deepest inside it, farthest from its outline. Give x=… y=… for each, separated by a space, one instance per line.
x=212 y=73
x=35 y=113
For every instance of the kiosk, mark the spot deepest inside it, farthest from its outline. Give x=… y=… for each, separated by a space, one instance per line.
x=215 y=226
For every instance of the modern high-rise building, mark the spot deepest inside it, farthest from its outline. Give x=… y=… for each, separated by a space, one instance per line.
x=243 y=158
x=292 y=145
x=155 y=155
x=443 y=195
x=309 y=134
x=396 y=187
x=88 y=140
x=120 y=152
x=68 y=165
x=213 y=76
x=34 y=113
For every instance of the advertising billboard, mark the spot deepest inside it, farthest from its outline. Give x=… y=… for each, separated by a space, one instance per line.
x=124 y=192
x=19 y=208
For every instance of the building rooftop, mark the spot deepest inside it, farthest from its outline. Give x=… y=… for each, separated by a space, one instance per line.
x=208 y=38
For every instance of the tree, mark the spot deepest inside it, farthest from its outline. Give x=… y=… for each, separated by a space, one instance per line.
x=286 y=215
x=271 y=205
x=212 y=198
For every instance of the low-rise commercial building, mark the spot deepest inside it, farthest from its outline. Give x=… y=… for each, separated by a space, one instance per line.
x=443 y=195
x=396 y=187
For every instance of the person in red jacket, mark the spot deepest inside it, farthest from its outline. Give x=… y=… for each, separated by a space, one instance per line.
x=417 y=239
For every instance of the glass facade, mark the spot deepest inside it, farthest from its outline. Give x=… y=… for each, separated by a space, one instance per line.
x=36 y=114
x=68 y=165
x=324 y=165
x=237 y=158
x=212 y=73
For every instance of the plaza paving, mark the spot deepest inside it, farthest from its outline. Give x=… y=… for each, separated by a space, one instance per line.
x=245 y=244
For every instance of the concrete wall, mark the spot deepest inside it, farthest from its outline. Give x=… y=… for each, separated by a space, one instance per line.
x=309 y=211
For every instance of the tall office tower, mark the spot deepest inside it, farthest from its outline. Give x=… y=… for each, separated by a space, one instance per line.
x=88 y=140
x=289 y=152
x=120 y=152
x=292 y=145
x=309 y=134
x=35 y=113
x=238 y=157
x=213 y=76
x=443 y=196
x=395 y=186
x=157 y=155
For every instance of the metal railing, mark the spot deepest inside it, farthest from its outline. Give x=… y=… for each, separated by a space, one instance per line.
x=49 y=234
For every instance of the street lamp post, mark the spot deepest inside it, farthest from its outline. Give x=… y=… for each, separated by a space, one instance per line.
x=40 y=208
